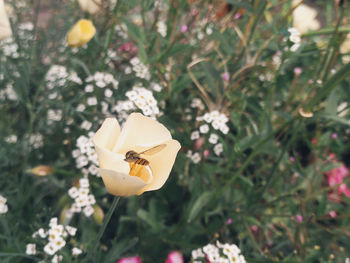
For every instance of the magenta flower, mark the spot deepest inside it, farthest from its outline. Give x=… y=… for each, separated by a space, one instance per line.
x=135 y=259
x=183 y=28
x=337 y=175
x=174 y=257
x=299 y=218
x=335 y=179
x=332 y=214
x=225 y=76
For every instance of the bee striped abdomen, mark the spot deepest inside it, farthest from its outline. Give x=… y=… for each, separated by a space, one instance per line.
x=141 y=161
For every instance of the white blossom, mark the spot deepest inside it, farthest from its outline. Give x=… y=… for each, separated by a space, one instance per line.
x=213 y=139
x=204 y=128
x=218 y=149
x=31 y=249
x=196 y=158
x=76 y=251
x=162 y=28
x=195 y=135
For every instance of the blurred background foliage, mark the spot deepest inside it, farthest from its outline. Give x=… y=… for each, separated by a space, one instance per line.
x=267 y=191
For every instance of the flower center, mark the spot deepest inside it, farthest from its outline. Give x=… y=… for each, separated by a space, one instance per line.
x=143 y=172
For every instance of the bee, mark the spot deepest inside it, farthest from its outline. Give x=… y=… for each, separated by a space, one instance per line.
x=133 y=157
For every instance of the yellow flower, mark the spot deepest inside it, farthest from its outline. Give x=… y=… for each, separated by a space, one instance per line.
x=90 y=6
x=139 y=134
x=5 y=28
x=42 y=170
x=81 y=33
x=304 y=18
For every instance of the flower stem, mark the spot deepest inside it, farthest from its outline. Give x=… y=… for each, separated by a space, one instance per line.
x=108 y=216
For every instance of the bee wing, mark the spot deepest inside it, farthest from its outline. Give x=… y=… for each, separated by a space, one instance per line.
x=153 y=150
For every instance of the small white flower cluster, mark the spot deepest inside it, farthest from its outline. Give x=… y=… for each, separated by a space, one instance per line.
x=8 y=93
x=54 y=115
x=121 y=30
x=28 y=26
x=25 y=32
x=218 y=122
x=295 y=38
x=36 y=140
x=83 y=200
x=197 y=103
x=138 y=98
x=219 y=253
x=140 y=69
x=195 y=157
x=58 y=76
x=161 y=28
x=216 y=119
x=56 y=237
x=11 y=138
x=3 y=205
x=85 y=155
x=101 y=80
x=9 y=47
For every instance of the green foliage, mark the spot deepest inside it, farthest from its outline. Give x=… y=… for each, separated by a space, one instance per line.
x=262 y=184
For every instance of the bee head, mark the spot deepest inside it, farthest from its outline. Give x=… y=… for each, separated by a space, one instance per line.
x=130 y=155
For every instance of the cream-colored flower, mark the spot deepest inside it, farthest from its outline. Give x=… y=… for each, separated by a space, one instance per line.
x=304 y=18
x=90 y=6
x=139 y=133
x=5 y=28
x=81 y=33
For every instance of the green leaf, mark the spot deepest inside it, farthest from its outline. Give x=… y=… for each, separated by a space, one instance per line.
x=246 y=180
x=331 y=84
x=332 y=103
x=199 y=204
x=146 y=217
x=336 y=119
x=142 y=52
x=119 y=248
x=135 y=31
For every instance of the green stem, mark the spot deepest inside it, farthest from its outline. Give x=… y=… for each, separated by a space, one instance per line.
x=106 y=220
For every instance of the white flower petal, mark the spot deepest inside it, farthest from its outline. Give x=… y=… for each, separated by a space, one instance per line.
x=5 y=28
x=121 y=184
x=141 y=131
x=161 y=164
x=107 y=135
x=112 y=161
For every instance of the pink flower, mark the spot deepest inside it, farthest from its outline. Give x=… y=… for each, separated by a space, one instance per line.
x=174 y=257
x=128 y=47
x=332 y=214
x=254 y=228
x=183 y=28
x=334 y=136
x=199 y=143
x=299 y=218
x=229 y=221
x=337 y=175
x=298 y=71
x=335 y=178
x=225 y=76
x=135 y=259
